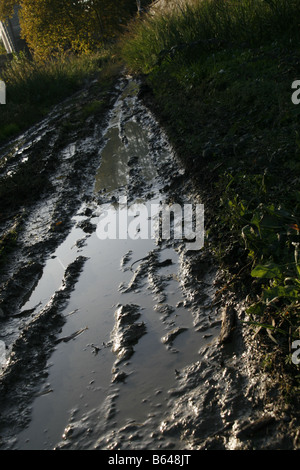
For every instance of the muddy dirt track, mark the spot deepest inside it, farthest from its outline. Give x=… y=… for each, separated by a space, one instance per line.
x=122 y=343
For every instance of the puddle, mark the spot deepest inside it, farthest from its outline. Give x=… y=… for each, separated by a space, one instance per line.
x=130 y=322
x=114 y=342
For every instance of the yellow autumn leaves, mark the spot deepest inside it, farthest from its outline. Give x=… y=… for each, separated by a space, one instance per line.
x=52 y=27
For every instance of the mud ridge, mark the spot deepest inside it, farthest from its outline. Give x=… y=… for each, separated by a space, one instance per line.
x=127 y=331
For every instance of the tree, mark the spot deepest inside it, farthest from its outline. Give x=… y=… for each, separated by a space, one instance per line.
x=6 y=9
x=53 y=26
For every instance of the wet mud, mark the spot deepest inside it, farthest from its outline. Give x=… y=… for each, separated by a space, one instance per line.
x=121 y=343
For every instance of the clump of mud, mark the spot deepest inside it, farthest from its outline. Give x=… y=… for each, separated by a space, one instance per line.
x=127 y=331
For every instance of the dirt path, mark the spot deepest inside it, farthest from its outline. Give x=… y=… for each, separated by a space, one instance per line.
x=121 y=343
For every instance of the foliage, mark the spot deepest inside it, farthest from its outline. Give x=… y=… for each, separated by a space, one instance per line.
x=6 y=9
x=270 y=232
x=209 y=25
x=2 y=48
x=54 y=26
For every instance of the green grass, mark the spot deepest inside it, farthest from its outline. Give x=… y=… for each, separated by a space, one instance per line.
x=202 y=26
x=33 y=87
x=221 y=75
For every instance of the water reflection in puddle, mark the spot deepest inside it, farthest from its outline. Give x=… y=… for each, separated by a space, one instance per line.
x=113 y=172
x=80 y=370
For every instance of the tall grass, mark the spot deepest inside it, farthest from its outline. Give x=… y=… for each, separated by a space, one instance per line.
x=30 y=81
x=33 y=87
x=209 y=22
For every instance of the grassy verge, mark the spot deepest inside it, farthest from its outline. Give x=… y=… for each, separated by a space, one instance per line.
x=32 y=87
x=221 y=74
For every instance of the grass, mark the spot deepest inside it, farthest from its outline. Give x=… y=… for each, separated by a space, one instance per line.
x=220 y=73
x=199 y=27
x=33 y=87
